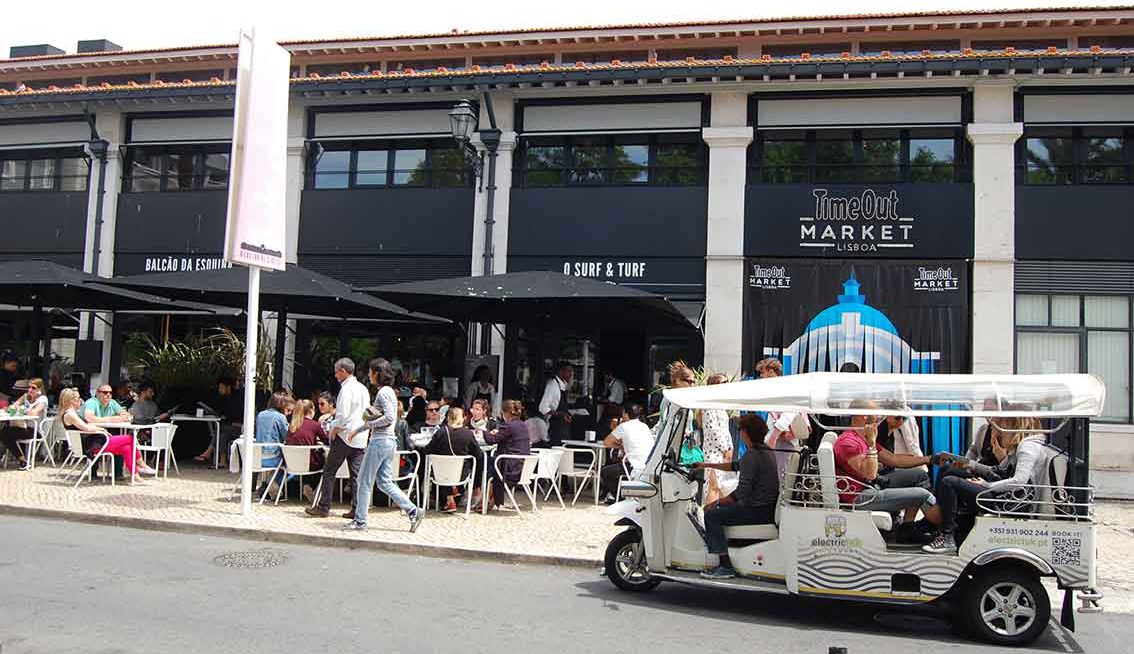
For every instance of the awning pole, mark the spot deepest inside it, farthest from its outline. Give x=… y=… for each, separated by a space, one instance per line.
x=250 y=346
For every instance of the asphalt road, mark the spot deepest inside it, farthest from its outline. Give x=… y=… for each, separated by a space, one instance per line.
x=68 y=587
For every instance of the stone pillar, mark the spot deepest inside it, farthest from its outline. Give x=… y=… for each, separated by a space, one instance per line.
x=993 y=134
x=728 y=139
x=111 y=127
x=296 y=165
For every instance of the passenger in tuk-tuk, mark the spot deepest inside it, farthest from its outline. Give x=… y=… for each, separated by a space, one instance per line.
x=858 y=457
x=754 y=500
x=1020 y=456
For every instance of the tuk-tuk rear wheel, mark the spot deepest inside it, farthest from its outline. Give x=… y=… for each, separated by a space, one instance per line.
x=1006 y=606
x=625 y=562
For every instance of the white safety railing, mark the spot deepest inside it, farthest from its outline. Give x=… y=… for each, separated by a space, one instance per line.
x=1072 y=503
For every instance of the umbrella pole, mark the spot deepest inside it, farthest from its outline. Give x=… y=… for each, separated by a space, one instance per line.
x=250 y=346
x=281 y=346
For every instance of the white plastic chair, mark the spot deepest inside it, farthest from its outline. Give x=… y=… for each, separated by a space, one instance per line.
x=410 y=476
x=257 y=464
x=548 y=468
x=342 y=473
x=447 y=470
x=161 y=444
x=527 y=477
x=75 y=455
x=75 y=442
x=625 y=477
x=579 y=476
x=297 y=462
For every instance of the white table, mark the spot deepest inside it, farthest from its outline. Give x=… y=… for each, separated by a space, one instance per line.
x=133 y=429
x=600 y=459
x=4 y=417
x=214 y=423
x=485 y=451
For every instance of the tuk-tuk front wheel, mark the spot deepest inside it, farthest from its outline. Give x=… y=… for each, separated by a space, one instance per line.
x=1006 y=606
x=625 y=562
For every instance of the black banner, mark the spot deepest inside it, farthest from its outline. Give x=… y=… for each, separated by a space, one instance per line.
x=819 y=315
x=670 y=276
x=873 y=221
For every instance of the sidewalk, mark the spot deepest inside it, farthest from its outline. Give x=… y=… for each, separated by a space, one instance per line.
x=198 y=501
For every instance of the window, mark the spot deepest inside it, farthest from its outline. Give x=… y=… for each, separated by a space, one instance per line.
x=907 y=48
x=499 y=61
x=606 y=57
x=374 y=164
x=660 y=159
x=814 y=49
x=118 y=80
x=177 y=168
x=1074 y=155
x=1073 y=334
x=334 y=70
x=178 y=76
x=43 y=171
x=426 y=64
x=843 y=156
x=1107 y=42
x=1019 y=44
x=40 y=84
x=703 y=54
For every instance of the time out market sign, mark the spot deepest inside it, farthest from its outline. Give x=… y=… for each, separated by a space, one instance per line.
x=858 y=223
x=877 y=221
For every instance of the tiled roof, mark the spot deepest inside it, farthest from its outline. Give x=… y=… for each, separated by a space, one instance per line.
x=456 y=36
x=546 y=69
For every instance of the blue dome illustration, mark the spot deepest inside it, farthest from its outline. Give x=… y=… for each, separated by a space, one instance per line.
x=851 y=301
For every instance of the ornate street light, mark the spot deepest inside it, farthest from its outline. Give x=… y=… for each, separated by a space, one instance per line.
x=462 y=122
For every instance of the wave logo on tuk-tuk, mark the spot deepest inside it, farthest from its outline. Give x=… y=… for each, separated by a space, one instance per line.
x=835 y=534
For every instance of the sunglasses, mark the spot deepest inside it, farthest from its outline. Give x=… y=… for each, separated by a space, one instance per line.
x=432 y=410
x=104 y=392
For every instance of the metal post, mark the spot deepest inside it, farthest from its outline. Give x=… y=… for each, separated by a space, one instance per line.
x=250 y=345
x=281 y=346
x=491 y=139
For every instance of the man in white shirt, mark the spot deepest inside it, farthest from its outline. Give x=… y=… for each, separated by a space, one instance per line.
x=346 y=445
x=553 y=406
x=635 y=440
x=613 y=393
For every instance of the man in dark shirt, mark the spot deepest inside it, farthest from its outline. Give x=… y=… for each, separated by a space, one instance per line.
x=754 y=500
x=9 y=374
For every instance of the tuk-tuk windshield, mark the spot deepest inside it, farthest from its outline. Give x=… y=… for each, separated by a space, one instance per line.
x=1039 y=396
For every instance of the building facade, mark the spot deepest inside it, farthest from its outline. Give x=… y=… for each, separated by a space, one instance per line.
x=965 y=176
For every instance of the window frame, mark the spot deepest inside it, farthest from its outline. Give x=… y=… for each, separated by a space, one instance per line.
x=961 y=165
x=390 y=147
x=56 y=157
x=1083 y=332
x=1080 y=136
x=199 y=153
x=655 y=172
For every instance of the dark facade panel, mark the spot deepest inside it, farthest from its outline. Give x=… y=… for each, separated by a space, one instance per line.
x=675 y=277
x=386 y=269
x=44 y=226
x=189 y=223
x=608 y=222
x=1075 y=277
x=383 y=222
x=899 y=221
x=1085 y=222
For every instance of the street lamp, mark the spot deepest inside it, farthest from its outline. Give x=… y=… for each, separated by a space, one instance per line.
x=463 y=120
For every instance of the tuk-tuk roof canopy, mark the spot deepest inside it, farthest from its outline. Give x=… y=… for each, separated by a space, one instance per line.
x=826 y=393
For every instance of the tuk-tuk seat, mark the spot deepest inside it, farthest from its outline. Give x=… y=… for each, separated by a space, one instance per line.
x=752 y=532
x=829 y=483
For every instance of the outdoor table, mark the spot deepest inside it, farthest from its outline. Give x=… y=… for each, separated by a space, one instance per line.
x=214 y=423
x=4 y=417
x=485 y=451
x=600 y=459
x=130 y=427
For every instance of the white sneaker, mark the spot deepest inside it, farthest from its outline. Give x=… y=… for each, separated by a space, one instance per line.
x=145 y=470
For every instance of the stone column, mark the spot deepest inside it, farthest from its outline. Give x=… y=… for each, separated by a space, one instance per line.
x=111 y=127
x=296 y=165
x=728 y=139
x=993 y=134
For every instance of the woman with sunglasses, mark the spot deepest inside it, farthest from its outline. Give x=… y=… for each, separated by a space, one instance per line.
x=96 y=438
x=33 y=404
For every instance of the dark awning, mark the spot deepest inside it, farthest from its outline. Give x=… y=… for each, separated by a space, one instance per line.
x=537 y=297
x=295 y=290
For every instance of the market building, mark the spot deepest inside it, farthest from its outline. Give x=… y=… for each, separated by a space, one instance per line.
x=965 y=176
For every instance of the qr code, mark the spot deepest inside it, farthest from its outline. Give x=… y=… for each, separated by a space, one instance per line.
x=1065 y=551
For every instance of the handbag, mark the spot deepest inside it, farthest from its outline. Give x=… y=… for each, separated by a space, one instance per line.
x=690 y=452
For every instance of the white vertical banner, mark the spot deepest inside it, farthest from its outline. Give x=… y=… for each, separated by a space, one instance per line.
x=256 y=230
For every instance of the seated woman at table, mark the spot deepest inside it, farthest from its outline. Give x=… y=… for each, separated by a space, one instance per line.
x=509 y=438
x=272 y=427
x=33 y=404
x=479 y=420
x=304 y=429
x=94 y=436
x=326 y=408
x=453 y=439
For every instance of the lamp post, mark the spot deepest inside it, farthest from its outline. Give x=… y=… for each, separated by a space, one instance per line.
x=463 y=120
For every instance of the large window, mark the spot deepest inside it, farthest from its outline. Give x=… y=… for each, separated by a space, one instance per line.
x=630 y=160
x=1078 y=333
x=41 y=170
x=177 y=168
x=1074 y=155
x=846 y=156
x=376 y=164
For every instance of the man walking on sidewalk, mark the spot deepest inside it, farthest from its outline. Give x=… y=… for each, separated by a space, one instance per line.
x=348 y=438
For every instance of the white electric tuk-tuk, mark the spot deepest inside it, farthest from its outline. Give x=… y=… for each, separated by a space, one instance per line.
x=821 y=546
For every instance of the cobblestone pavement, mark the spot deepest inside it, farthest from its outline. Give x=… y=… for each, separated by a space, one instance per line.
x=202 y=497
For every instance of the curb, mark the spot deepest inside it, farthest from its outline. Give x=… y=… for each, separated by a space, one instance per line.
x=286 y=538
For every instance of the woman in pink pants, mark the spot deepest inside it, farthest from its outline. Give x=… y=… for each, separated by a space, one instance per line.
x=94 y=436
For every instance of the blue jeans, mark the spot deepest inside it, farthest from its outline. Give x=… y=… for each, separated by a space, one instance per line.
x=889 y=500
x=381 y=462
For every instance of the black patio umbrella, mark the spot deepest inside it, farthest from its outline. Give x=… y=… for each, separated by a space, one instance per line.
x=39 y=283
x=293 y=291
x=537 y=298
